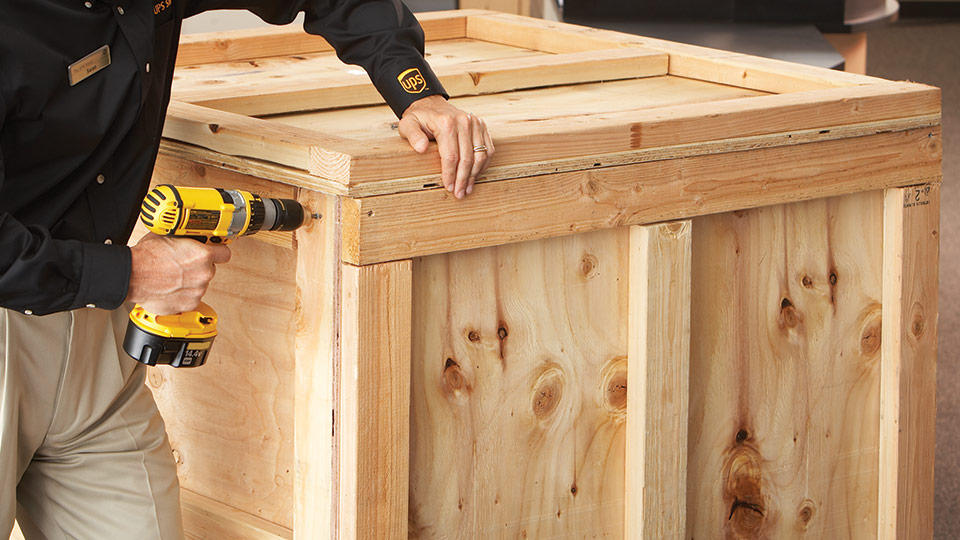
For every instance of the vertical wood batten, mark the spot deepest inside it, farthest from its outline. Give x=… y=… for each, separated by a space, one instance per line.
x=909 y=354
x=375 y=400
x=658 y=380
x=317 y=358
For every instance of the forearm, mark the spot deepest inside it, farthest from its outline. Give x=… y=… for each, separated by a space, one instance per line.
x=40 y=274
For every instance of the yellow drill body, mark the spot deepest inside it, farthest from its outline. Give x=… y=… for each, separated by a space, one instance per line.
x=217 y=215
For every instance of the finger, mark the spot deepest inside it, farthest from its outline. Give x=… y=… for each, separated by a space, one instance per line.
x=411 y=130
x=449 y=149
x=480 y=158
x=465 y=164
x=220 y=254
x=491 y=149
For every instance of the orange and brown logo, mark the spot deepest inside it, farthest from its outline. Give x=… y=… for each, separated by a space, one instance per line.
x=412 y=81
x=161 y=6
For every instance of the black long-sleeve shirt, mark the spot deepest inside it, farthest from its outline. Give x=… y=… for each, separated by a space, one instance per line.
x=75 y=161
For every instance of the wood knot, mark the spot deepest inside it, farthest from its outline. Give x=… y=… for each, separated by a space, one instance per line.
x=743 y=491
x=675 y=228
x=214 y=128
x=805 y=514
x=917 y=323
x=547 y=392
x=870 y=338
x=833 y=278
x=742 y=435
x=789 y=316
x=806 y=281
x=589 y=266
x=473 y=336
x=475 y=77
x=591 y=187
x=573 y=490
x=454 y=382
x=613 y=380
x=502 y=334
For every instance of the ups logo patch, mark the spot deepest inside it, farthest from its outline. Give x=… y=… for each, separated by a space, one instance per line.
x=163 y=11
x=412 y=81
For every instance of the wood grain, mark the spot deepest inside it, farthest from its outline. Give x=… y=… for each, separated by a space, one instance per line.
x=785 y=371
x=239 y=451
x=534 y=137
x=911 y=235
x=241 y=45
x=685 y=60
x=375 y=400
x=317 y=349
x=519 y=390
x=205 y=518
x=420 y=223
x=286 y=85
x=658 y=381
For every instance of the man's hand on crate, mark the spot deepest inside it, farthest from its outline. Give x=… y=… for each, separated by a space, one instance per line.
x=464 y=143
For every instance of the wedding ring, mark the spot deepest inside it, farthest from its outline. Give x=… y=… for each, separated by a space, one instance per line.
x=480 y=148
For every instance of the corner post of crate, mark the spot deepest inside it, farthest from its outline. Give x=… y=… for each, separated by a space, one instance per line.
x=374 y=417
x=658 y=380
x=911 y=225
x=317 y=349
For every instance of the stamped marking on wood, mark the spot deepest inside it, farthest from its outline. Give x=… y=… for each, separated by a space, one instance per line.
x=916 y=196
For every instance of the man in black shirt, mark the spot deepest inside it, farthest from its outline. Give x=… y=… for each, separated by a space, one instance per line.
x=84 y=86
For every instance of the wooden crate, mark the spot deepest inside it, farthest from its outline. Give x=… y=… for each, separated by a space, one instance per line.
x=694 y=296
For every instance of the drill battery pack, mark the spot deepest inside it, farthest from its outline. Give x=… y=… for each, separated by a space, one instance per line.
x=179 y=340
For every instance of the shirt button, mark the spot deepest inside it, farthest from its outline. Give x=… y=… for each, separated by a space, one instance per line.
x=101 y=178
x=88 y=5
x=108 y=241
x=148 y=67
x=91 y=306
x=28 y=312
x=120 y=10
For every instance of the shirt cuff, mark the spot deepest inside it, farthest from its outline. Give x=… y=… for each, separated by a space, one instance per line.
x=104 y=276
x=402 y=85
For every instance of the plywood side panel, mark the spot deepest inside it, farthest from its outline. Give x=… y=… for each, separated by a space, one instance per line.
x=658 y=381
x=519 y=390
x=230 y=422
x=785 y=371
x=909 y=377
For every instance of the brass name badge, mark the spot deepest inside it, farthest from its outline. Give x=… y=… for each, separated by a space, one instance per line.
x=88 y=65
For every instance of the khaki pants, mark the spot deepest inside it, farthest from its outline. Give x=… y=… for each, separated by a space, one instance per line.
x=83 y=451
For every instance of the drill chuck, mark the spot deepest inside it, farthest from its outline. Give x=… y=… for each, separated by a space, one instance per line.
x=282 y=215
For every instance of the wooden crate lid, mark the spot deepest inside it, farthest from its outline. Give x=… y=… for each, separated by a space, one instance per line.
x=557 y=98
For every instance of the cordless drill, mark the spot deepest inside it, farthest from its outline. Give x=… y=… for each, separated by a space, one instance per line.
x=203 y=214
